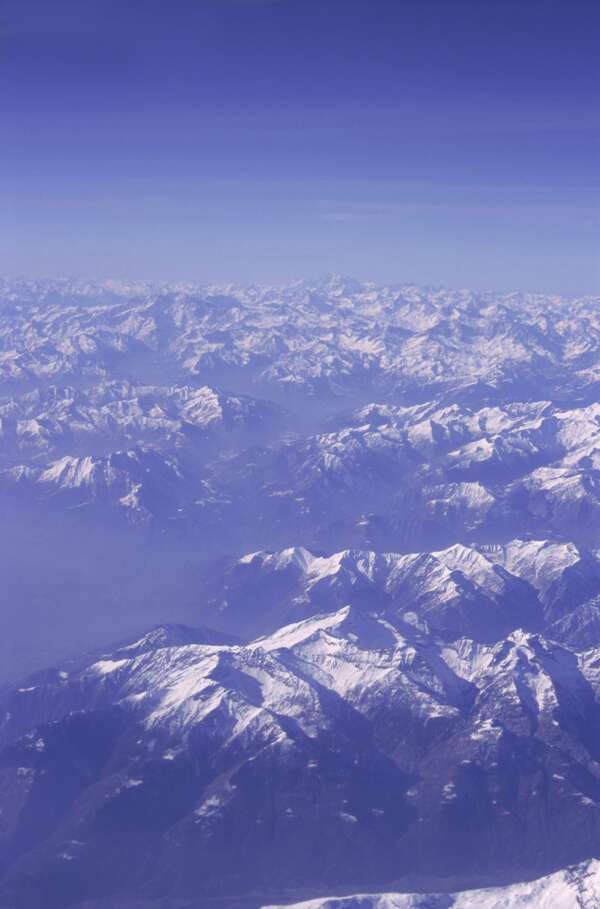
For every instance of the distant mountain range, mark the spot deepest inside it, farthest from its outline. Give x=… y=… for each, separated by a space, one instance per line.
x=347 y=541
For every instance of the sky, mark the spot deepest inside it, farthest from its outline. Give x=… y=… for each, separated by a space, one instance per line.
x=446 y=142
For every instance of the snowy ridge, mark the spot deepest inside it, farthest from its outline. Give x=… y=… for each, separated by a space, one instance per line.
x=577 y=886
x=482 y=591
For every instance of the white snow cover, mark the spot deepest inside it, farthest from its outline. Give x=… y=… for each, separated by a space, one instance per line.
x=362 y=658
x=540 y=562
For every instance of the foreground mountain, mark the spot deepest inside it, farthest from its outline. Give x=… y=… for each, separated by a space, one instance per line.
x=344 y=750
x=578 y=886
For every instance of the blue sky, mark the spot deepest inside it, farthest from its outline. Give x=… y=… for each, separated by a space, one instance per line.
x=442 y=141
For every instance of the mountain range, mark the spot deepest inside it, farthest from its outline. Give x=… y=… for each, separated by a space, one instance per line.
x=316 y=571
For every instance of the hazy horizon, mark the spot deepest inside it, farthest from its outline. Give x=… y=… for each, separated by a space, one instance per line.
x=168 y=283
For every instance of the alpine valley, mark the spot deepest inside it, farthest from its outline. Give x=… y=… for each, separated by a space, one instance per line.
x=301 y=597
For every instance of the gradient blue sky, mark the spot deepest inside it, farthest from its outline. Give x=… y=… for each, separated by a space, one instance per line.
x=442 y=141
